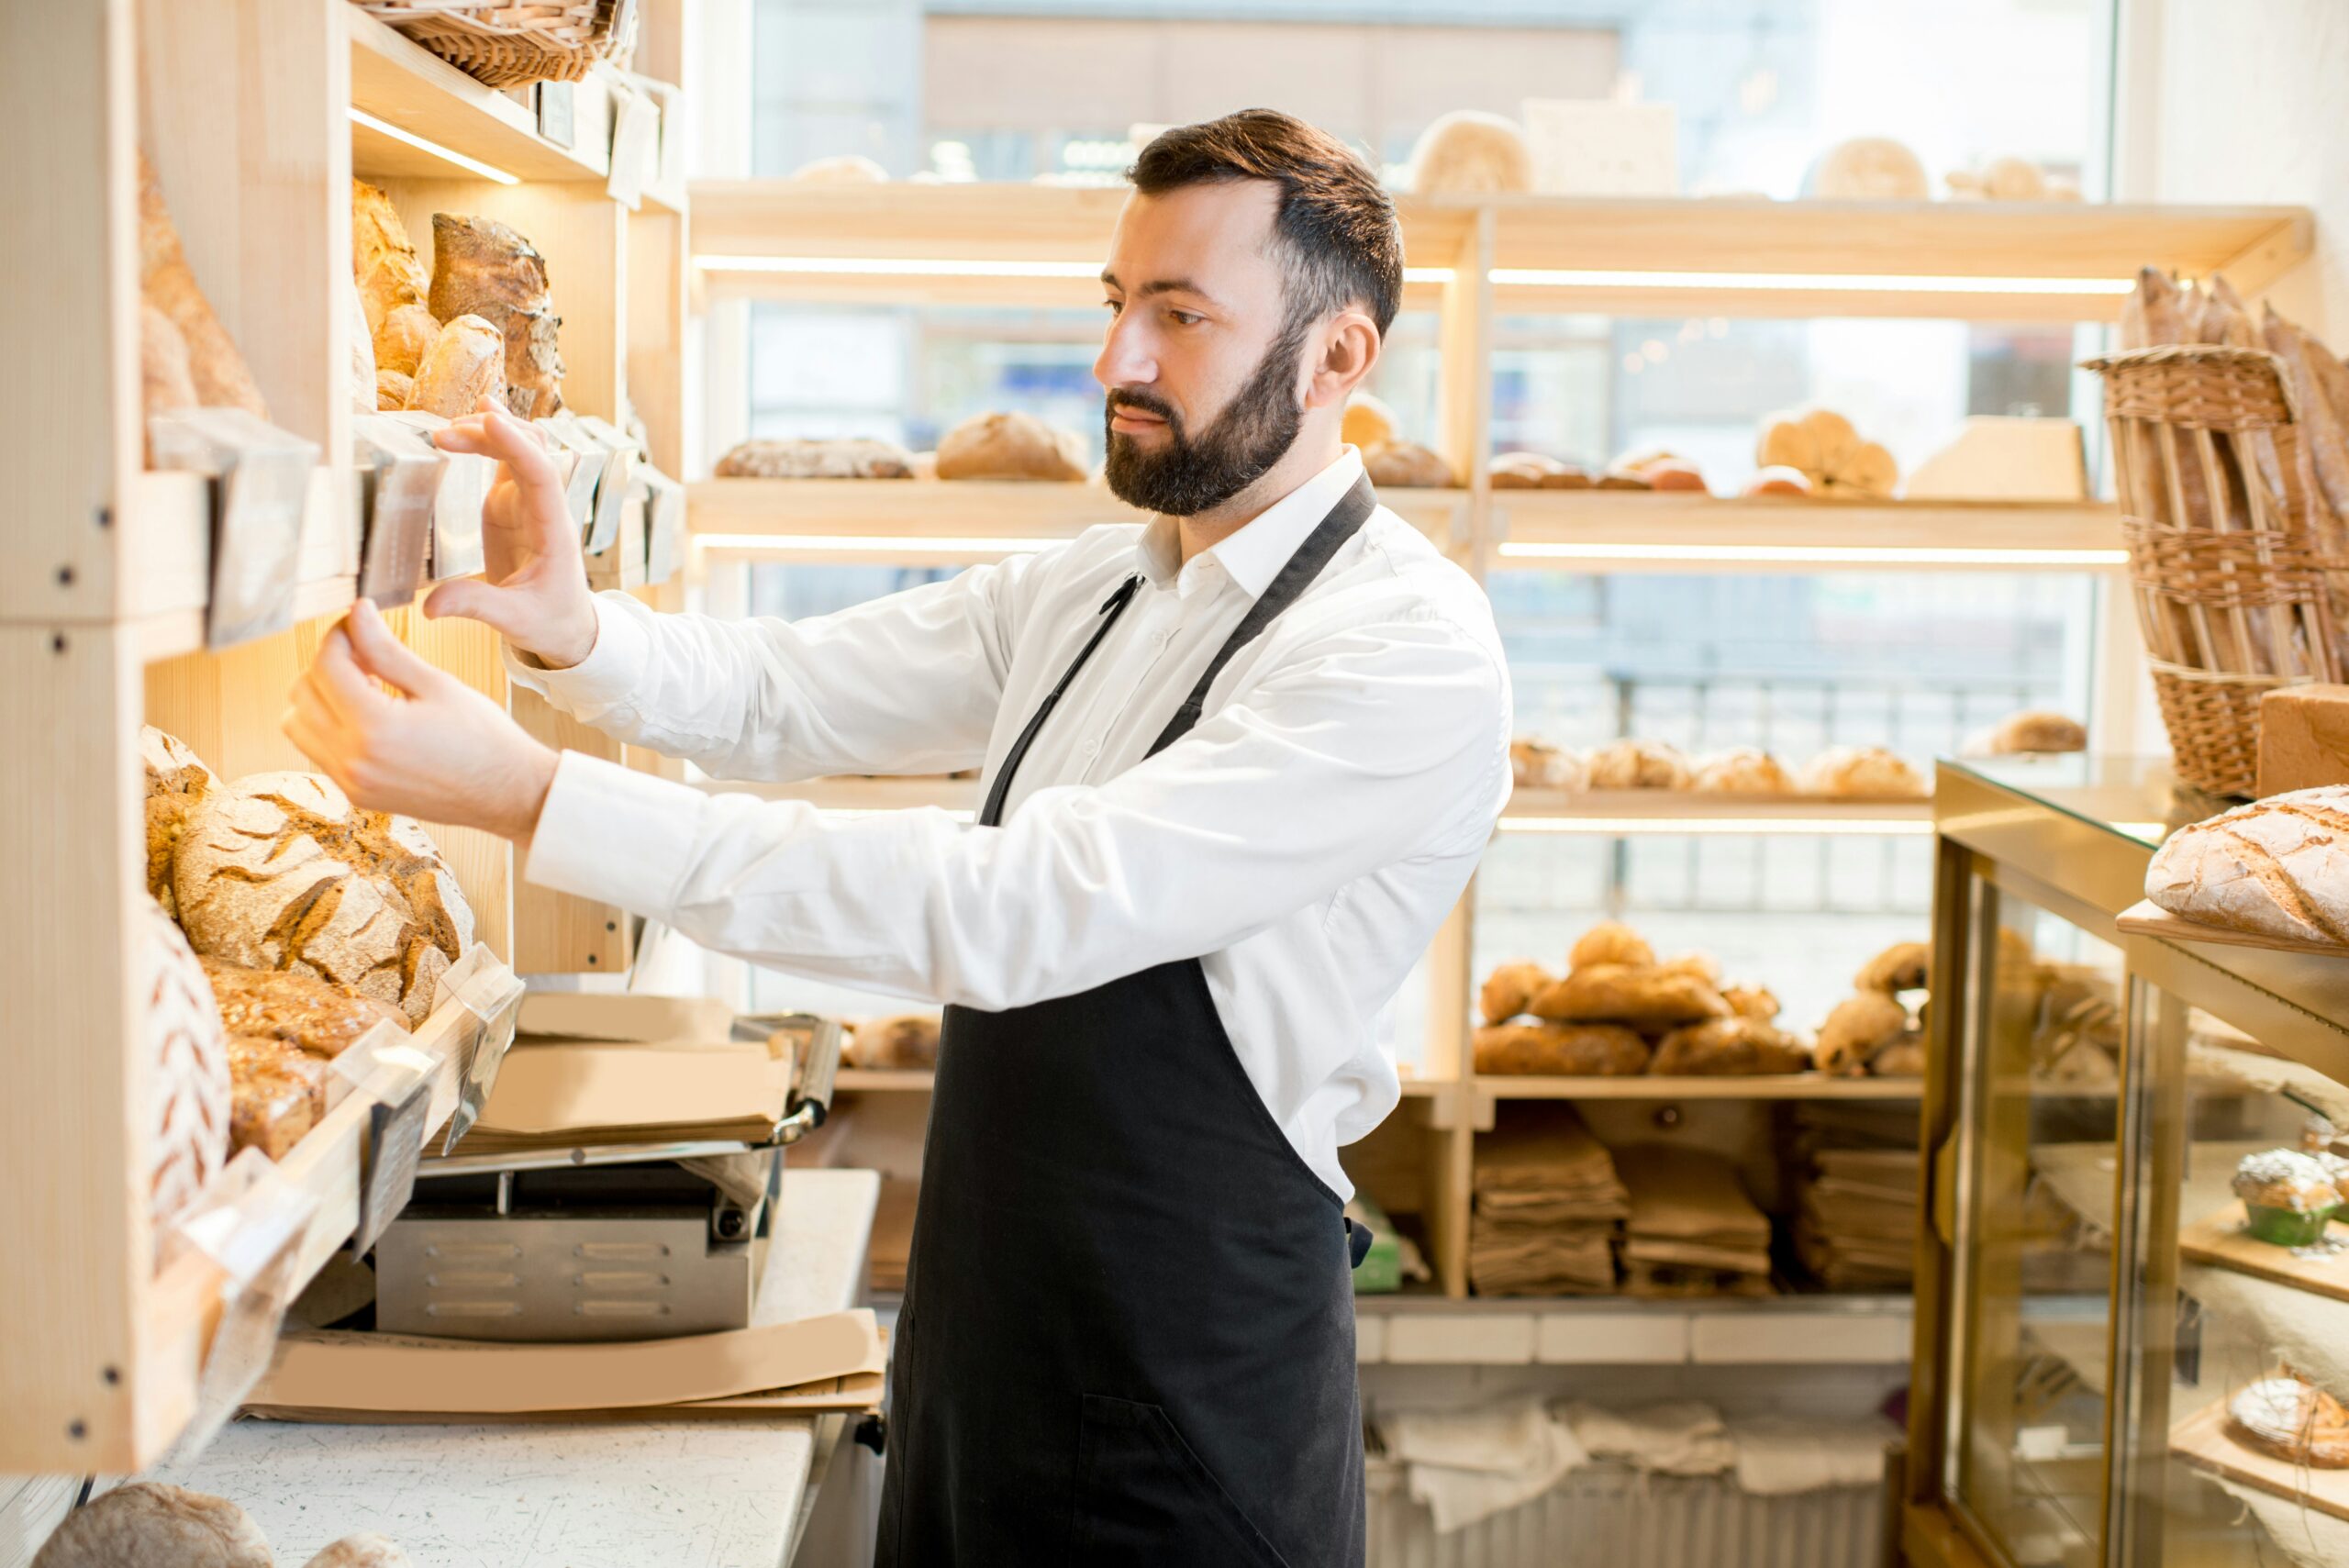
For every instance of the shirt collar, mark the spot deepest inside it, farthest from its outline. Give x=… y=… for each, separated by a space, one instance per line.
x=1253 y=554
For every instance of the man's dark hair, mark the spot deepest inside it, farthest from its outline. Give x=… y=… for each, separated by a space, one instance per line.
x=1335 y=224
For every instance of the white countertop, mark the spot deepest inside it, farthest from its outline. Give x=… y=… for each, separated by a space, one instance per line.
x=707 y=1492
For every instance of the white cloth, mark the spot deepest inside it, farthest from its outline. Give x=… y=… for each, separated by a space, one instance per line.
x=1467 y=1465
x=1681 y=1437
x=1304 y=843
x=1780 y=1454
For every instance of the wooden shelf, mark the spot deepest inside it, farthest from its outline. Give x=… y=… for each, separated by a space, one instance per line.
x=1668 y=811
x=1778 y=1087
x=916 y=1081
x=914 y=522
x=1414 y=1330
x=1615 y=530
x=404 y=85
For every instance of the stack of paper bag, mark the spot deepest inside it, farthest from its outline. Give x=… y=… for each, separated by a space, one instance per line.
x=1547 y=1206
x=1856 y=1228
x=1692 y=1231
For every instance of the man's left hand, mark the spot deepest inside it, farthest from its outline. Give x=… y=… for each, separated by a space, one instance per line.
x=431 y=747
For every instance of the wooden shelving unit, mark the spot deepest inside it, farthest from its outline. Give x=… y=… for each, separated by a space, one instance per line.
x=256 y=115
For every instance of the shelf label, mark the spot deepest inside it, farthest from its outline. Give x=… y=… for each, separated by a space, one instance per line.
x=492 y=995
x=401 y=472
x=260 y=486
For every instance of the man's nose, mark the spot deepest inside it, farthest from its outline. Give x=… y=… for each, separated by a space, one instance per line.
x=1126 y=358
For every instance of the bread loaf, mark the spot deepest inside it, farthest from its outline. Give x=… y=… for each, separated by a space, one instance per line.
x=1508 y=990
x=405 y=340
x=1729 y=1048
x=280 y=871
x=1523 y=471
x=1535 y=765
x=1367 y=423
x=1611 y=942
x=187 y=1080
x=1658 y=469
x=1751 y=1002
x=361 y=1551
x=1638 y=764
x=1822 y=446
x=481 y=268
x=315 y=1016
x=176 y=781
x=2278 y=867
x=1622 y=479
x=1903 y=966
x=1408 y=465
x=215 y=368
x=908 y=1042
x=165 y=382
x=467 y=364
x=393 y=391
x=816 y=460
x=1858 y=1028
x=148 y=1525
x=277 y=1095
x=1566 y=1050
x=2032 y=731
x=1469 y=153
x=1868 y=772
x=1868 y=169
x=1742 y=769
x=1010 y=446
x=1647 y=999
x=382 y=258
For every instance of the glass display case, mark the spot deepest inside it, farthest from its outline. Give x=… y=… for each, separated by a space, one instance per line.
x=2132 y=1303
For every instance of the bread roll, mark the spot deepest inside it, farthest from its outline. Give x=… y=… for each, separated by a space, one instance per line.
x=187 y=1081
x=848 y=169
x=1408 y=465
x=1868 y=169
x=467 y=364
x=816 y=460
x=280 y=871
x=1777 y=479
x=1658 y=469
x=1367 y=423
x=1509 y=989
x=1647 y=999
x=1535 y=765
x=1565 y=1050
x=1856 y=1029
x=1521 y=471
x=1729 y=1048
x=1903 y=966
x=393 y=391
x=1742 y=769
x=908 y=1042
x=2278 y=867
x=405 y=338
x=1751 y=1002
x=1611 y=942
x=177 y=781
x=1824 y=447
x=1010 y=446
x=165 y=382
x=1701 y=966
x=215 y=368
x=1469 y=153
x=1617 y=479
x=1638 y=764
x=481 y=268
x=1867 y=771
x=148 y=1525
x=2033 y=730
x=382 y=258
x=361 y=1551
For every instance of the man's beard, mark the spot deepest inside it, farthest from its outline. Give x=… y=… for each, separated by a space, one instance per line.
x=1192 y=475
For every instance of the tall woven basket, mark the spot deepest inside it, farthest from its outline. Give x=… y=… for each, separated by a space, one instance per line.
x=512 y=43
x=2230 y=575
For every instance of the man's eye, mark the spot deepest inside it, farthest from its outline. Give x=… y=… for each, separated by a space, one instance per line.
x=1111 y=305
x=1186 y=317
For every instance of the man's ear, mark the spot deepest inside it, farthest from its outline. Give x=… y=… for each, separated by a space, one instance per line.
x=1348 y=350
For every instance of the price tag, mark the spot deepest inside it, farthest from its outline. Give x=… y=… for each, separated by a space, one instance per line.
x=261 y=484
x=456 y=507
x=611 y=493
x=401 y=472
x=589 y=456
x=636 y=135
x=394 y=1076
x=664 y=525
x=249 y=1223
x=492 y=995
x=558 y=113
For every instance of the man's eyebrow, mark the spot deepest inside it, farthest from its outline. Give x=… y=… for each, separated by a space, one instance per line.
x=1160 y=286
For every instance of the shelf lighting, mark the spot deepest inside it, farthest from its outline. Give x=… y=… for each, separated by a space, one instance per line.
x=844 y=544
x=1813 y=554
x=945 y=267
x=1801 y=283
x=385 y=127
x=1739 y=827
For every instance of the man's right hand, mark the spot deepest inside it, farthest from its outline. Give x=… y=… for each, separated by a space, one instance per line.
x=533 y=590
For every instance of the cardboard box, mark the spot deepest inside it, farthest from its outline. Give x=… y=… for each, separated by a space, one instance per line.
x=2303 y=738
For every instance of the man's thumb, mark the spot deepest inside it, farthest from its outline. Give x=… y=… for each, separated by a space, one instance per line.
x=386 y=657
x=469 y=598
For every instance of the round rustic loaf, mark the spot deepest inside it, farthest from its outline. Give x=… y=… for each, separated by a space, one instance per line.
x=1537 y=764
x=361 y=1551
x=177 y=781
x=1864 y=772
x=1010 y=446
x=1743 y=769
x=2036 y=730
x=1611 y=942
x=1732 y=1046
x=1638 y=764
x=1367 y=423
x=1469 y=153
x=906 y=1042
x=1509 y=989
x=148 y=1525
x=1868 y=169
x=2278 y=867
x=1858 y=1028
x=851 y=458
x=1408 y=465
x=280 y=871
x=1903 y=966
x=187 y=1077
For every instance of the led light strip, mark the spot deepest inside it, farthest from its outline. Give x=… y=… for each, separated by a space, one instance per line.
x=845 y=544
x=385 y=127
x=1682 y=827
x=945 y=267
x=1802 y=282
x=1816 y=554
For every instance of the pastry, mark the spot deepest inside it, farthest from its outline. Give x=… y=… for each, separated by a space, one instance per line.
x=467 y=364
x=177 y=781
x=1638 y=764
x=148 y=1525
x=1407 y=465
x=1509 y=989
x=1903 y=966
x=216 y=370
x=280 y=871
x=383 y=260
x=405 y=338
x=1859 y=1027
x=1867 y=168
x=1701 y=966
x=1611 y=942
x=2293 y=1421
x=1469 y=153
x=856 y=459
x=1010 y=446
x=908 y=1042
x=393 y=391
x=2288 y=1196
x=1367 y=424
x=483 y=269
x=1742 y=769
x=187 y=1081
x=1751 y=1002
x=1864 y=772
x=1647 y=999
x=2278 y=867
x=847 y=169
x=1562 y=1051
x=315 y=1016
x=1777 y=479
x=1821 y=445
x=1535 y=765
x=1729 y=1048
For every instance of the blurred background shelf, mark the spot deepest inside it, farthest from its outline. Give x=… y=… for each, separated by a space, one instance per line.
x=1602 y=1330
x=1613 y=530
x=1774 y=1086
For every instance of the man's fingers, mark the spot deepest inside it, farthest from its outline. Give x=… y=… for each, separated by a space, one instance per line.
x=311 y=700
x=496 y=433
x=340 y=684
x=314 y=742
x=378 y=653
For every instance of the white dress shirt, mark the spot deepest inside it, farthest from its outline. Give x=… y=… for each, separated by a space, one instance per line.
x=1304 y=841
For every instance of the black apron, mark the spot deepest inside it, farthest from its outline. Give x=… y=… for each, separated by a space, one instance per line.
x=1127 y=1335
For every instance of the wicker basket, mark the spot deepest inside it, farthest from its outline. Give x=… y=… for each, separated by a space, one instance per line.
x=2231 y=585
x=512 y=43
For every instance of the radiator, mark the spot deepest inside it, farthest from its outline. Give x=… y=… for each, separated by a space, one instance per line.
x=1613 y=1516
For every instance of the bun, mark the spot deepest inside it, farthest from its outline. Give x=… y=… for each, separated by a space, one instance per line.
x=1824 y=447
x=216 y=370
x=1367 y=424
x=2034 y=730
x=1648 y=999
x=1564 y=1050
x=1408 y=465
x=1777 y=479
x=1509 y=989
x=1469 y=153
x=1857 y=1028
x=1862 y=771
x=1868 y=169
x=1522 y=471
x=483 y=269
x=1659 y=470
x=1638 y=764
x=1701 y=966
x=1732 y=1047
x=188 y=1086
x=908 y=1042
x=467 y=364
x=280 y=871
x=1010 y=446
x=1536 y=764
x=1742 y=769
x=817 y=459
x=2278 y=867
x=1903 y=966
x=148 y=1525
x=1611 y=942
x=1751 y=1002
